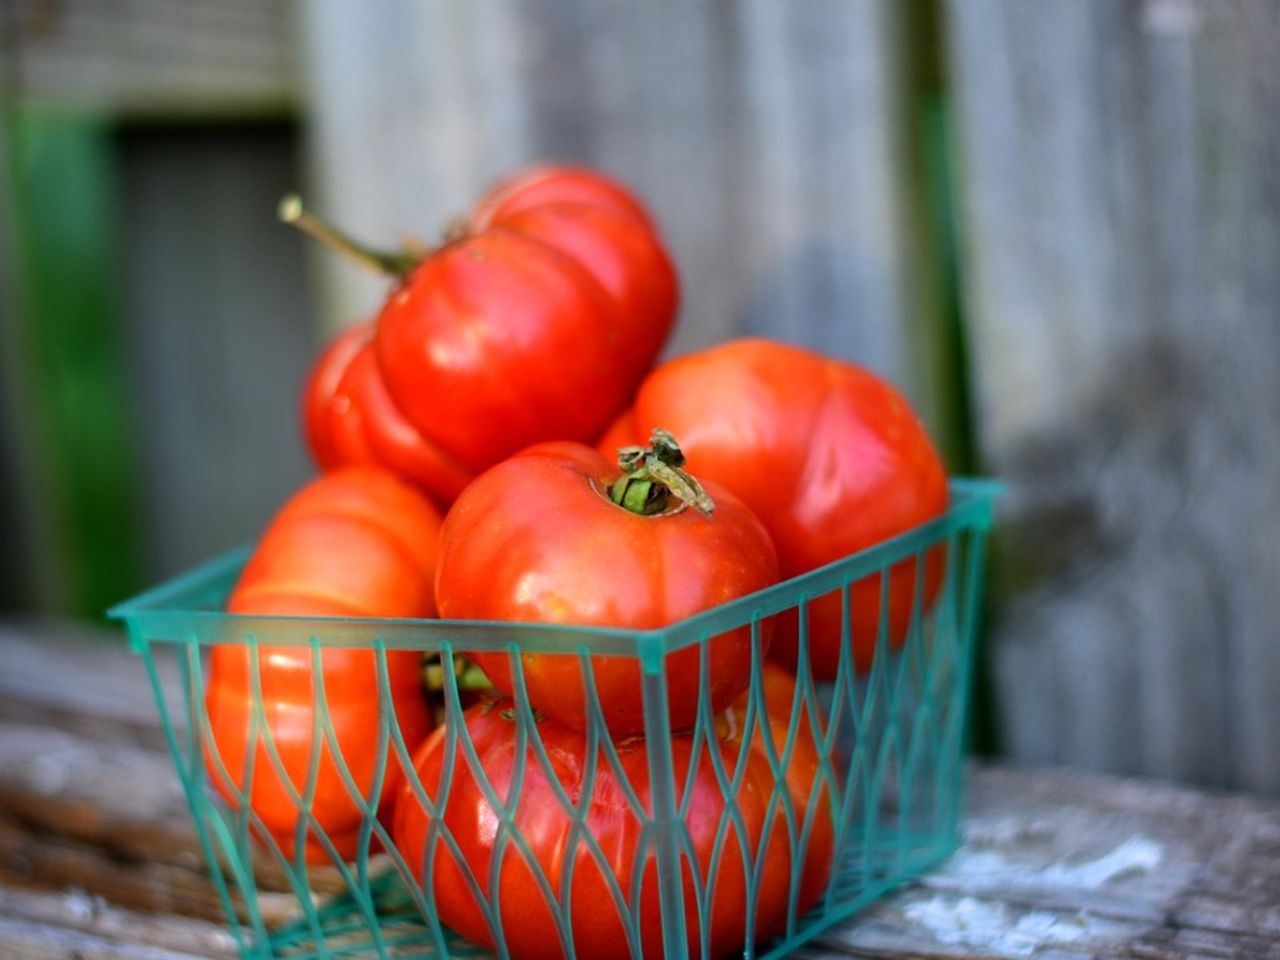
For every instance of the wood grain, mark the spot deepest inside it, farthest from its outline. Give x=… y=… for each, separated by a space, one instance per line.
x=1122 y=226
x=149 y=58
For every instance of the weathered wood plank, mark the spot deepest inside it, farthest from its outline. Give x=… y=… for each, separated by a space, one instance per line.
x=220 y=333
x=104 y=693
x=765 y=135
x=1123 y=239
x=156 y=57
x=1067 y=864
x=77 y=911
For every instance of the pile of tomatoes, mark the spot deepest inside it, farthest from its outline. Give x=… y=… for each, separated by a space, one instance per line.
x=500 y=443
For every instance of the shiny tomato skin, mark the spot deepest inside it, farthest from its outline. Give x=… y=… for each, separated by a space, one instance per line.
x=498 y=341
x=558 y=184
x=322 y=383
x=623 y=256
x=595 y=922
x=535 y=539
x=829 y=456
x=358 y=542
x=808 y=790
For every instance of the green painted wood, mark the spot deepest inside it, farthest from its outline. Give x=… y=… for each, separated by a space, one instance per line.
x=79 y=467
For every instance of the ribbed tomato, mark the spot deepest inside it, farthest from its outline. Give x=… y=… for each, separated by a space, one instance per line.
x=625 y=858
x=809 y=790
x=358 y=542
x=535 y=321
x=557 y=534
x=538 y=186
x=829 y=456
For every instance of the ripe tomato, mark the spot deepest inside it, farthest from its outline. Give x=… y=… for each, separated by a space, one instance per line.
x=810 y=793
x=317 y=396
x=535 y=321
x=351 y=419
x=595 y=922
x=537 y=538
x=830 y=457
x=558 y=184
x=356 y=543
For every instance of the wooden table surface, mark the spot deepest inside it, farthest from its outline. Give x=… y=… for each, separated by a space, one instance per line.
x=98 y=858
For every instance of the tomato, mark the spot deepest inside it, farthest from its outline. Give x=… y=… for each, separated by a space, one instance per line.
x=830 y=457
x=623 y=257
x=595 y=922
x=356 y=543
x=535 y=321
x=557 y=184
x=317 y=395
x=351 y=419
x=810 y=793
x=537 y=538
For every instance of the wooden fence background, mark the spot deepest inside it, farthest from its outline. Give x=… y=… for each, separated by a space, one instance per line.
x=1055 y=224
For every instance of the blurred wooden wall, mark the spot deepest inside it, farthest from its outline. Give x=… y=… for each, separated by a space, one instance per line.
x=154 y=317
x=1120 y=170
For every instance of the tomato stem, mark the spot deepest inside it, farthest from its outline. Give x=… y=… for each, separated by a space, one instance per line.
x=398 y=263
x=653 y=481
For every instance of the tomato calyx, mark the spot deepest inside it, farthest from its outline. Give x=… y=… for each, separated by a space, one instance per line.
x=395 y=263
x=653 y=482
x=467 y=676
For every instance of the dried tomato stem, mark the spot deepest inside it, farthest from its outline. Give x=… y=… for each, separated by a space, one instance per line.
x=653 y=481
x=396 y=264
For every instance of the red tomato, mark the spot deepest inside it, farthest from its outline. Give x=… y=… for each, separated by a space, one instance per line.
x=623 y=256
x=810 y=793
x=542 y=185
x=595 y=923
x=392 y=441
x=537 y=325
x=537 y=538
x=355 y=543
x=351 y=419
x=497 y=341
x=830 y=457
x=322 y=384
x=535 y=322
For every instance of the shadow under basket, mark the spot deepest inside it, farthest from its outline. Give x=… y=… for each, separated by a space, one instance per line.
x=882 y=797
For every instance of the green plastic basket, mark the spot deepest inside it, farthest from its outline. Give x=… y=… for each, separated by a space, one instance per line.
x=891 y=744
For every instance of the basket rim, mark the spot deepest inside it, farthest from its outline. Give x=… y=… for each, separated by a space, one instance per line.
x=167 y=608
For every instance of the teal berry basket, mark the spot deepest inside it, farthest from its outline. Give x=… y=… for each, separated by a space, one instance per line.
x=880 y=803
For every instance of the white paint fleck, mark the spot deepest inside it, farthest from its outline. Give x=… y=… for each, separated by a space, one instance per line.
x=1138 y=854
x=987 y=868
x=49 y=774
x=995 y=928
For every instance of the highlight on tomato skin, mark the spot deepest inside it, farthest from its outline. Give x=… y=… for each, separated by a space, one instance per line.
x=830 y=457
x=602 y=869
x=356 y=542
x=557 y=534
